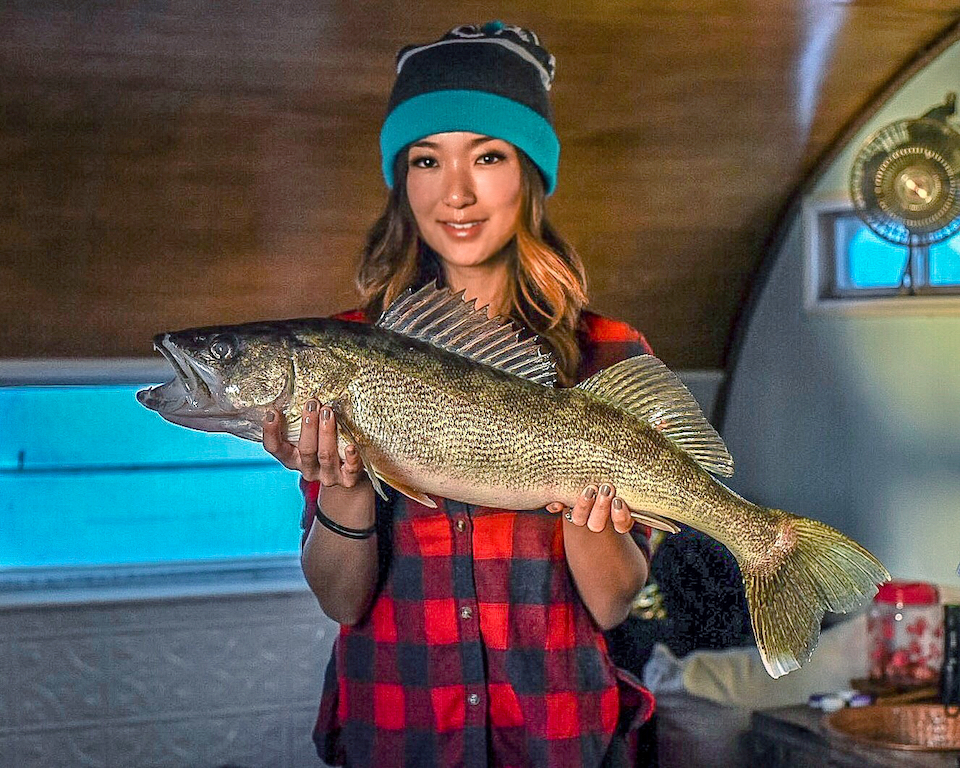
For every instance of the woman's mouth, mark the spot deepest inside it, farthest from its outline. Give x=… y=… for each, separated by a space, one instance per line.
x=462 y=230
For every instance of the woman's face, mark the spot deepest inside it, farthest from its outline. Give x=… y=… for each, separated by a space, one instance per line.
x=464 y=190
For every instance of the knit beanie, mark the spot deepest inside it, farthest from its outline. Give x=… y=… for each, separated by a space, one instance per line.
x=491 y=79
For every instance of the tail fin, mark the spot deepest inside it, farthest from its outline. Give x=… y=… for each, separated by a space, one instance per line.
x=822 y=570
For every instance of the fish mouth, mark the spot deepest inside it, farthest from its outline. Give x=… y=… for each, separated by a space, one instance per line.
x=194 y=398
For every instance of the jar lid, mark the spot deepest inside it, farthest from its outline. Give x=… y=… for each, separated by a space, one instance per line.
x=907 y=593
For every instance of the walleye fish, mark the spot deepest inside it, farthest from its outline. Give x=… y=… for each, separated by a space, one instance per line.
x=441 y=400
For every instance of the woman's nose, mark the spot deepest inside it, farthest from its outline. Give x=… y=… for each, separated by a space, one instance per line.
x=458 y=192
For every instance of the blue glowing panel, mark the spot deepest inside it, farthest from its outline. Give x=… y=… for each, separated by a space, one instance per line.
x=89 y=476
x=945 y=262
x=874 y=262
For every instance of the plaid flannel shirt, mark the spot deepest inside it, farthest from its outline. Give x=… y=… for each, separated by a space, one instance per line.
x=477 y=650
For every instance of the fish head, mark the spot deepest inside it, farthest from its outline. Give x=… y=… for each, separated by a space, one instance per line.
x=226 y=377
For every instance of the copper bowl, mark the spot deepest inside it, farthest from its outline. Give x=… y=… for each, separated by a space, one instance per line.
x=909 y=726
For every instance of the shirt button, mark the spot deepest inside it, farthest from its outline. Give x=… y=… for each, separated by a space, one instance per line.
x=473 y=699
x=466 y=613
x=461 y=526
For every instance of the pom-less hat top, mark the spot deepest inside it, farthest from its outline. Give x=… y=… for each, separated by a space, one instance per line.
x=491 y=79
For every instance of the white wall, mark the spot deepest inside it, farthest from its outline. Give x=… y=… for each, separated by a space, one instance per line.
x=855 y=419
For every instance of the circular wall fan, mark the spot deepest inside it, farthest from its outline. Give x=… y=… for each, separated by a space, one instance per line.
x=905 y=181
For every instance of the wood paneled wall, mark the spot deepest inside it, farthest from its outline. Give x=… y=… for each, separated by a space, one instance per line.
x=181 y=163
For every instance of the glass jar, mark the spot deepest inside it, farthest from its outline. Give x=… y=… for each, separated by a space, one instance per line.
x=905 y=634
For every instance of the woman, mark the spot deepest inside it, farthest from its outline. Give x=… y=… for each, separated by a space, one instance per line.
x=472 y=635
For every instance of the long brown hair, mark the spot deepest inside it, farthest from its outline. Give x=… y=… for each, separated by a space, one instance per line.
x=548 y=289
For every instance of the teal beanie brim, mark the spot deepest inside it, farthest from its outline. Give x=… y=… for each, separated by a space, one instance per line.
x=478 y=112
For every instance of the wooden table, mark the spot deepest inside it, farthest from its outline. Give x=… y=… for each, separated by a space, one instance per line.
x=795 y=737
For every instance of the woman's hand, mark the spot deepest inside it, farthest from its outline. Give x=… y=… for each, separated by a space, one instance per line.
x=341 y=571
x=316 y=453
x=595 y=507
x=608 y=568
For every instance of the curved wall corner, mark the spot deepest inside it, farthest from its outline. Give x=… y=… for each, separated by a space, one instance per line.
x=848 y=418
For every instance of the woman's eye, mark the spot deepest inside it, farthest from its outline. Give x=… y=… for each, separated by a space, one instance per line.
x=491 y=157
x=423 y=162
x=223 y=347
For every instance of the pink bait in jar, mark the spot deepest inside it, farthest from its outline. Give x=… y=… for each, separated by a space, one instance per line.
x=905 y=634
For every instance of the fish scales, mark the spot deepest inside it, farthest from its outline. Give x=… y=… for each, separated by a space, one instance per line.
x=563 y=440
x=428 y=420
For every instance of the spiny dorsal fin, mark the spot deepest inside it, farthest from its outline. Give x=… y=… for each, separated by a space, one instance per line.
x=646 y=388
x=442 y=318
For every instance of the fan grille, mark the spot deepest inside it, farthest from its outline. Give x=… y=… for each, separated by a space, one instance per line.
x=905 y=182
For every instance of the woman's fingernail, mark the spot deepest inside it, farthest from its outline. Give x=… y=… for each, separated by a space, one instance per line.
x=617 y=504
x=311 y=405
x=589 y=492
x=605 y=490
x=271 y=417
x=325 y=414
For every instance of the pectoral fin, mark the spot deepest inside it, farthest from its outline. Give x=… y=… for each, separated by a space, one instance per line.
x=346 y=438
x=293 y=429
x=654 y=521
x=409 y=491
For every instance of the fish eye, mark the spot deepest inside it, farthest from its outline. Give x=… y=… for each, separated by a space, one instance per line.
x=223 y=347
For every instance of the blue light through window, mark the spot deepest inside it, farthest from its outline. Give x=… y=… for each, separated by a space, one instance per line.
x=873 y=262
x=865 y=262
x=945 y=262
x=90 y=477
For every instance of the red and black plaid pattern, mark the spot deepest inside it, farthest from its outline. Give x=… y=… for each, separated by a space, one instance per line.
x=477 y=649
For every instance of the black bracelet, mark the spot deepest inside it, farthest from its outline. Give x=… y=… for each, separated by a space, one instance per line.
x=342 y=530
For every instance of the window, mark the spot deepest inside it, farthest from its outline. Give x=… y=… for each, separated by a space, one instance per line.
x=848 y=261
x=93 y=483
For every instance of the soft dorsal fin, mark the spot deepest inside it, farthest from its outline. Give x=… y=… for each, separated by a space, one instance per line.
x=646 y=388
x=442 y=318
